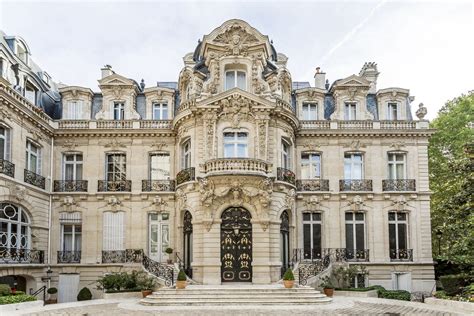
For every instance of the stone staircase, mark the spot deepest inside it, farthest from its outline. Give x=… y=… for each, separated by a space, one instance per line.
x=203 y=295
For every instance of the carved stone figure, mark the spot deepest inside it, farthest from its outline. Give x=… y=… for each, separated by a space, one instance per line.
x=421 y=112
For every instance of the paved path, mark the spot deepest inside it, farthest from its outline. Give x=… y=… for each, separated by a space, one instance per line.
x=339 y=306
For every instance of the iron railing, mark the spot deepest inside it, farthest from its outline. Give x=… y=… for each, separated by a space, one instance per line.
x=309 y=270
x=14 y=255
x=7 y=168
x=114 y=186
x=185 y=175
x=401 y=254
x=286 y=175
x=35 y=179
x=158 y=185
x=355 y=185
x=182 y=265
x=312 y=185
x=122 y=256
x=160 y=270
x=399 y=185
x=70 y=185
x=39 y=291
x=69 y=256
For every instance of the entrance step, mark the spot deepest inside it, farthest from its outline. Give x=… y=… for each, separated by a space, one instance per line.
x=226 y=295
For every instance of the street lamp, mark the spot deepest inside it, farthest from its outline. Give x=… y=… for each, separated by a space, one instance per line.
x=439 y=234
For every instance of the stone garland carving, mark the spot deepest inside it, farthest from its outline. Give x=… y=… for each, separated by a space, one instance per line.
x=400 y=203
x=262 y=138
x=357 y=203
x=69 y=204
x=182 y=199
x=209 y=128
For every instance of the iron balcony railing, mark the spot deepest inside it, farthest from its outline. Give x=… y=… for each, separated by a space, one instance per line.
x=286 y=175
x=14 y=255
x=355 y=185
x=185 y=175
x=114 y=186
x=7 y=168
x=401 y=254
x=399 y=185
x=122 y=256
x=312 y=185
x=336 y=254
x=158 y=185
x=35 y=179
x=70 y=185
x=69 y=256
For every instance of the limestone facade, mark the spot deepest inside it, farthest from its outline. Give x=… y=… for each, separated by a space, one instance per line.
x=123 y=168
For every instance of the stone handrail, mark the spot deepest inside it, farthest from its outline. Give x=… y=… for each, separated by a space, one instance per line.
x=355 y=124
x=237 y=165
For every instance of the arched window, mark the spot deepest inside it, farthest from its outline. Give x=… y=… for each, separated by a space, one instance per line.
x=15 y=231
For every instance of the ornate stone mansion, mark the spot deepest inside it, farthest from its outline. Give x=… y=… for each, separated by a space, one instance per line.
x=242 y=171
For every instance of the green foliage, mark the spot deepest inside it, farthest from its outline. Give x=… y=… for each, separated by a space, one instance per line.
x=84 y=294
x=13 y=299
x=360 y=289
x=451 y=165
x=395 y=295
x=52 y=290
x=169 y=250
x=4 y=289
x=181 y=275
x=453 y=284
x=288 y=276
x=341 y=276
x=144 y=281
x=327 y=283
x=119 y=281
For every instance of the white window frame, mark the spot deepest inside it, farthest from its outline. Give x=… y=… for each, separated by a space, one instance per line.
x=6 y=136
x=235 y=142
x=354 y=164
x=30 y=153
x=74 y=110
x=397 y=221
x=113 y=232
x=151 y=167
x=350 y=111
x=390 y=113
x=354 y=223
x=393 y=163
x=285 y=154
x=235 y=84
x=14 y=228
x=312 y=165
x=186 y=156
x=307 y=110
x=115 y=175
x=160 y=108
x=118 y=111
x=74 y=246
x=75 y=162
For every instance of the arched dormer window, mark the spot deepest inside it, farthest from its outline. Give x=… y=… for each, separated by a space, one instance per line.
x=236 y=144
x=235 y=77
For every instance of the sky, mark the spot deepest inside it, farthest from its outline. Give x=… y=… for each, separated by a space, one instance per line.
x=424 y=46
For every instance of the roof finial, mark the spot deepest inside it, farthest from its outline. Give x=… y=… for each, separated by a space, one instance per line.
x=142 y=84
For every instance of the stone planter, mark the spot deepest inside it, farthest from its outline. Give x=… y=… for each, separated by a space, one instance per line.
x=328 y=292
x=180 y=285
x=288 y=283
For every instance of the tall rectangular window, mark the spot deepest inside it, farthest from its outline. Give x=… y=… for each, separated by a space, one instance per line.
x=235 y=78
x=74 y=110
x=159 y=166
x=310 y=111
x=398 y=234
x=186 y=154
x=72 y=167
x=4 y=143
x=310 y=166
x=235 y=145
x=33 y=157
x=119 y=111
x=30 y=93
x=160 y=111
x=285 y=154
x=116 y=167
x=353 y=167
x=113 y=231
x=350 y=111
x=355 y=235
x=392 y=111
x=312 y=235
x=396 y=166
x=71 y=231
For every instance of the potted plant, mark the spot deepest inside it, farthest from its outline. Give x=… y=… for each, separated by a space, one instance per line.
x=328 y=287
x=181 y=282
x=169 y=251
x=289 y=279
x=52 y=291
x=145 y=283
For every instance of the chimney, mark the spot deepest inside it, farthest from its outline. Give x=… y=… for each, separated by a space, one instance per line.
x=370 y=73
x=107 y=71
x=319 y=79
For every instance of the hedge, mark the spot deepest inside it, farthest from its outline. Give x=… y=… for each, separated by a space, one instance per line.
x=84 y=294
x=395 y=295
x=4 y=289
x=123 y=290
x=13 y=299
x=453 y=283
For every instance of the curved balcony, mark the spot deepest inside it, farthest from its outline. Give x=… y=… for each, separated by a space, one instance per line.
x=286 y=175
x=158 y=185
x=236 y=166
x=185 y=175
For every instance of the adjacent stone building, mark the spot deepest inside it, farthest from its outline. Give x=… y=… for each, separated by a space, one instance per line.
x=242 y=171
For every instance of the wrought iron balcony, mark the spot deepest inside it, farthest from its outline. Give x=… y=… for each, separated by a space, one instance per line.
x=185 y=175
x=7 y=168
x=355 y=185
x=401 y=254
x=312 y=185
x=122 y=256
x=69 y=256
x=399 y=185
x=14 y=255
x=335 y=254
x=70 y=186
x=286 y=175
x=158 y=185
x=35 y=179
x=114 y=186
x=237 y=165
x=361 y=255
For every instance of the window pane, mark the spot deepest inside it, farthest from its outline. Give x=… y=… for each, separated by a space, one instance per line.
x=69 y=172
x=2 y=148
x=359 y=216
x=242 y=150
x=349 y=216
x=316 y=240
x=392 y=236
x=391 y=216
x=164 y=115
x=400 y=171
x=401 y=216
x=307 y=241
x=229 y=80
x=402 y=236
x=241 y=83
x=79 y=172
x=229 y=150
x=316 y=216
x=349 y=236
x=360 y=236
x=306 y=216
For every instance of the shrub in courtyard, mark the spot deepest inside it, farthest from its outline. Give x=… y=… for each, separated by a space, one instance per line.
x=453 y=284
x=144 y=281
x=395 y=295
x=52 y=290
x=13 y=299
x=4 y=289
x=118 y=282
x=84 y=294
x=181 y=275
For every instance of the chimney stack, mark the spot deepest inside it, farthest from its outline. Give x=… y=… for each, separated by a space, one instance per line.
x=107 y=71
x=319 y=79
x=369 y=71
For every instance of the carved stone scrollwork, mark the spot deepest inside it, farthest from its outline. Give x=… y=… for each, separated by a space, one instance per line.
x=235 y=108
x=236 y=40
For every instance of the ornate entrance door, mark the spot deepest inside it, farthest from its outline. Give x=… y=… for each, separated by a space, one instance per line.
x=236 y=245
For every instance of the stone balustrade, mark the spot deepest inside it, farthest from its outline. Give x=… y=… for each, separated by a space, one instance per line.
x=236 y=165
x=363 y=125
x=114 y=124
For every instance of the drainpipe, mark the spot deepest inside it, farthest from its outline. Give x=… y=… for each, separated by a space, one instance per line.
x=50 y=211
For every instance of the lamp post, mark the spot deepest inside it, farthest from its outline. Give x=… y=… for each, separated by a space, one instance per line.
x=439 y=234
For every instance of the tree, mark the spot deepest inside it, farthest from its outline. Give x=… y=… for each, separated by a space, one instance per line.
x=451 y=163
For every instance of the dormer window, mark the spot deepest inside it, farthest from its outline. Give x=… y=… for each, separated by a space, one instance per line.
x=310 y=111
x=119 y=111
x=235 y=79
x=235 y=145
x=160 y=111
x=74 y=110
x=350 y=111
x=392 y=111
x=30 y=93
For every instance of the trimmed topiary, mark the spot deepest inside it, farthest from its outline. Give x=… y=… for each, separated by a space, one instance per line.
x=181 y=276
x=288 y=276
x=52 y=290
x=4 y=289
x=453 y=283
x=84 y=294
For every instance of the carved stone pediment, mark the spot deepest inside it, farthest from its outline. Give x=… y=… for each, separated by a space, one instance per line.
x=353 y=80
x=236 y=38
x=116 y=80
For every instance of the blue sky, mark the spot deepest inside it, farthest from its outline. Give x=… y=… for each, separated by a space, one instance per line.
x=424 y=46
